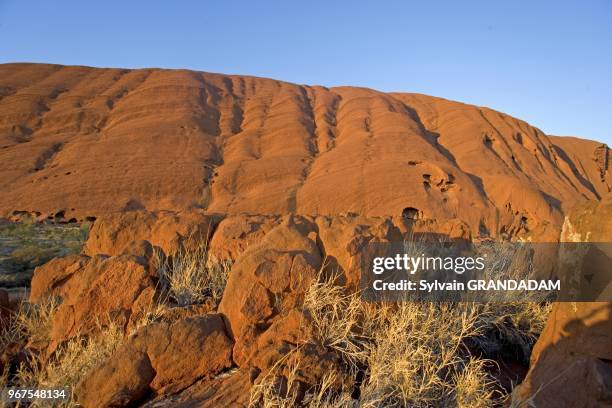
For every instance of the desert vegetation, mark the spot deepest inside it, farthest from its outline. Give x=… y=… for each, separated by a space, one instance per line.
x=392 y=354
x=410 y=353
x=27 y=244
x=417 y=354
x=351 y=166
x=40 y=367
x=192 y=275
x=186 y=278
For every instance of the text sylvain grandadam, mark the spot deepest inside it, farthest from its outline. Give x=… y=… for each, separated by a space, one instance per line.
x=458 y=265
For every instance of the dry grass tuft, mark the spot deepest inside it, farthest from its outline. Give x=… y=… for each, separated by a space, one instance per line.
x=276 y=391
x=31 y=322
x=67 y=365
x=473 y=386
x=415 y=349
x=334 y=314
x=72 y=360
x=192 y=275
x=415 y=354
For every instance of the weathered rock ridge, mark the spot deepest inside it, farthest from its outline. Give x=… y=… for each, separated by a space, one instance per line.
x=79 y=142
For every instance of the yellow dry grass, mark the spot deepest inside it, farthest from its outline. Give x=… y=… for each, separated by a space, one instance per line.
x=409 y=354
x=192 y=275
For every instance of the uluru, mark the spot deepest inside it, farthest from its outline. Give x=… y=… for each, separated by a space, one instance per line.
x=79 y=143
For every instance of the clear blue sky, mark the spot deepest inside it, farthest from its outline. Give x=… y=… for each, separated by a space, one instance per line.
x=548 y=62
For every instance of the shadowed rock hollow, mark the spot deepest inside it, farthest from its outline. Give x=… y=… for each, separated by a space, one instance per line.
x=78 y=142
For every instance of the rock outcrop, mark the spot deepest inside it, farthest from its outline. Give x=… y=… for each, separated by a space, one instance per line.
x=235 y=234
x=290 y=182
x=78 y=143
x=161 y=358
x=226 y=390
x=571 y=362
x=263 y=292
x=169 y=231
x=94 y=291
x=260 y=320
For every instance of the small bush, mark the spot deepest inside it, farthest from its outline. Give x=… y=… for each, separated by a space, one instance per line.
x=31 y=256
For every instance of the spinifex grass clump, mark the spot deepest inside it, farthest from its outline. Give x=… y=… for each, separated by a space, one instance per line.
x=192 y=275
x=31 y=322
x=405 y=354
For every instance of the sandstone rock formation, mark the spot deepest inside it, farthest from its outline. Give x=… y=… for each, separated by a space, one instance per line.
x=169 y=231
x=260 y=320
x=235 y=234
x=78 y=142
x=262 y=294
x=228 y=390
x=93 y=292
x=161 y=358
x=51 y=278
x=571 y=362
x=589 y=222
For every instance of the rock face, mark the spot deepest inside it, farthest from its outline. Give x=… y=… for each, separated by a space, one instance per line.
x=571 y=362
x=590 y=221
x=115 y=233
x=235 y=234
x=344 y=238
x=50 y=278
x=232 y=390
x=161 y=358
x=339 y=237
x=263 y=291
x=93 y=291
x=78 y=142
